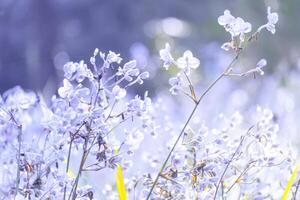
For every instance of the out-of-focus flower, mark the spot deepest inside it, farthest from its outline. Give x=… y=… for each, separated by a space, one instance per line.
x=118 y=92
x=272 y=20
x=112 y=57
x=226 y=19
x=66 y=89
x=166 y=57
x=77 y=71
x=129 y=70
x=176 y=84
x=262 y=63
x=237 y=28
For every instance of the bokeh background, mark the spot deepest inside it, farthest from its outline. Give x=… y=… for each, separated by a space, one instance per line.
x=37 y=37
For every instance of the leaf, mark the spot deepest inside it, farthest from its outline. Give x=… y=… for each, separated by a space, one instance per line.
x=290 y=182
x=120 y=183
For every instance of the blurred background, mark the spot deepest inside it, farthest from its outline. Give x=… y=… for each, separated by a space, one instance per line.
x=38 y=37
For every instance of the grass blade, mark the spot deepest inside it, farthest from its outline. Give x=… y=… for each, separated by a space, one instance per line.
x=290 y=182
x=120 y=183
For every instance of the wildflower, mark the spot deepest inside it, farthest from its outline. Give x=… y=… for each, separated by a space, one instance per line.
x=118 y=92
x=129 y=70
x=176 y=84
x=188 y=61
x=66 y=89
x=77 y=71
x=262 y=63
x=112 y=57
x=166 y=56
x=235 y=26
x=272 y=20
x=226 y=19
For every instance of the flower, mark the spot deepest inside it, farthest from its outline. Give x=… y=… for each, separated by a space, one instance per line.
x=78 y=71
x=226 y=19
x=166 y=56
x=66 y=89
x=262 y=63
x=176 y=83
x=118 y=92
x=240 y=27
x=235 y=26
x=188 y=61
x=129 y=70
x=112 y=57
x=272 y=20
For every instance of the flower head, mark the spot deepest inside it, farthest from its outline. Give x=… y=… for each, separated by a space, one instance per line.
x=262 y=63
x=272 y=20
x=226 y=19
x=66 y=89
x=188 y=61
x=176 y=83
x=118 y=92
x=166 y=56
x=235 y=26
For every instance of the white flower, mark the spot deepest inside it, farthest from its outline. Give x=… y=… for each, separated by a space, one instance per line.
x=66 y=89
x=118 y=92
x=69 y=69
x=188 y=61
x=166 y=56
x=227 y=46
x=272 y=20
x=142 y=77
x=112 y=57
x=262 y=63
x=226 y=19
x=176 y=83
x=235 y=26
x=83 y=72
x=240 y=27
x=129 y=70
x=78 y=71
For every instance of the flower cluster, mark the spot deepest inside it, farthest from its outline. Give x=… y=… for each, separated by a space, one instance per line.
x=238 y=29
x=94 y=125
x=184 y=63
x=231 y=161
x=89 y=107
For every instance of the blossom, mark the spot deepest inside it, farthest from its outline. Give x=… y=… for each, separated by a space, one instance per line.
x=262 y=63
x=66 y=89
x=166 y=56
x=272 y=20
x=129 y=70
x=176 y=84
x=77 y=71
x=113 y=57
x=188 y=61
x=118 y=92
x=235 y=26
x=226 y=19
x=139 y=106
